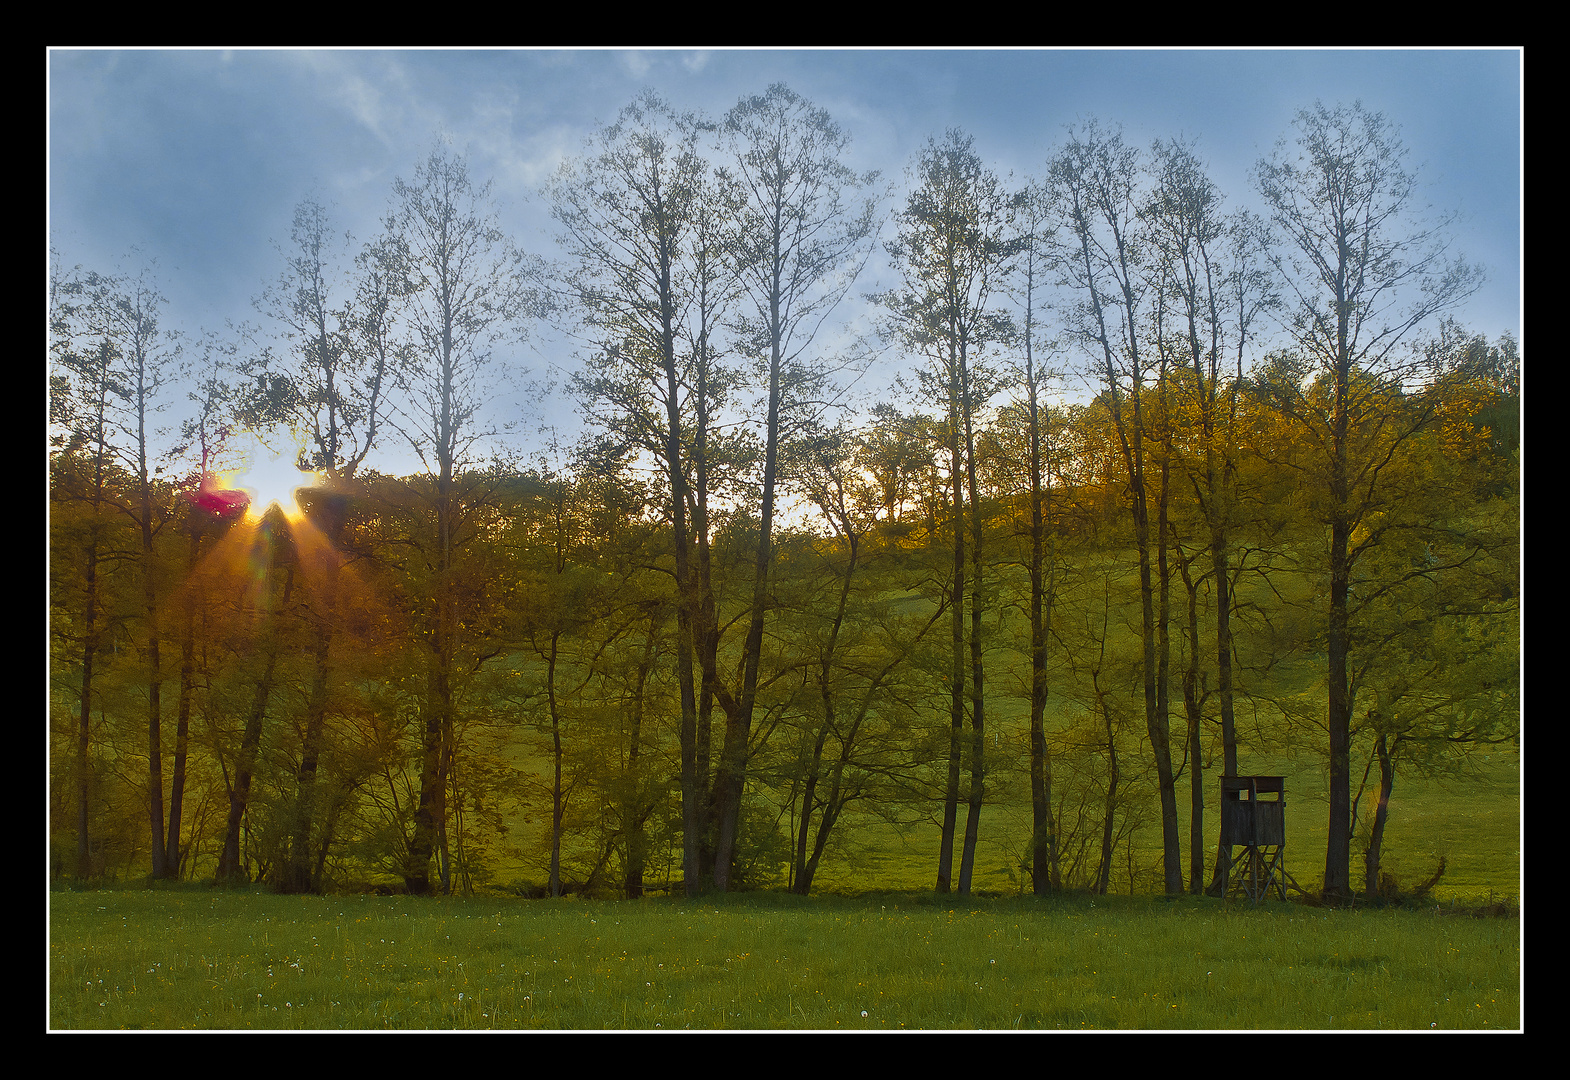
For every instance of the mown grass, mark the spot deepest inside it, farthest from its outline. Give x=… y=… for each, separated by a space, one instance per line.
x=205 y=958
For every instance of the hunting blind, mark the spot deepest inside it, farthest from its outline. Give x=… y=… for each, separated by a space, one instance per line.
x=1258 y=826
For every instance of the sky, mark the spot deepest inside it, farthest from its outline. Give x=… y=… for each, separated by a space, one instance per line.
x=196 y=158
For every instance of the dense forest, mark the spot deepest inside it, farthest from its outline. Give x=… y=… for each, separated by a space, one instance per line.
x=747 y=612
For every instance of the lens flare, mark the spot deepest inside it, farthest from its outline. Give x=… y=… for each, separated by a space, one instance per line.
x=272 y=476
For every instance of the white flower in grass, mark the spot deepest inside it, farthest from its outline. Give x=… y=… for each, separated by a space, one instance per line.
x=863 y=1012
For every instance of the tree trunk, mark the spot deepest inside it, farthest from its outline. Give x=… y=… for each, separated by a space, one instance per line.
x=230 y=869
x=182 y=730
x=556 y=762
x=1172 y=856
x=1104 y=871
x=298 y=876
x=977 y=726
x=1338 y=853
x=1192 y=711
x=1376 y=836
x=1044 y=848
x=155 y=759
x=84 y=865
x=731 y=779
x=956 y=666
x=1223 y=575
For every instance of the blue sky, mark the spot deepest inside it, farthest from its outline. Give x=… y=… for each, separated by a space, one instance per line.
x=198 y=157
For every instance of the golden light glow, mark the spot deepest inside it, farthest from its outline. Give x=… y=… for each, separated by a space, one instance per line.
x=271 y=475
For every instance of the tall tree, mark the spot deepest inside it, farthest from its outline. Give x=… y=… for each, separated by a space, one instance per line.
x=210 y=512
x=953 y=249
x=1096 y=180
x=802 y=238
x=470 y=293
x=83 y=382
x=627 y=212
x=1033 y=215
x=1212 y=291
x=123 y=310
x=274 y=556
x=1361 y=270
x=337 y=370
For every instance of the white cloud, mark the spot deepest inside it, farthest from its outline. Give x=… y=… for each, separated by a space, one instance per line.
x=637 y=63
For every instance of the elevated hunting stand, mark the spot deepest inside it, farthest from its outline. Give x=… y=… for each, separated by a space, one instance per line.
x=1259 y=827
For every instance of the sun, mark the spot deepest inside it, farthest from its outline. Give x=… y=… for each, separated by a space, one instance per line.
x=271 y=476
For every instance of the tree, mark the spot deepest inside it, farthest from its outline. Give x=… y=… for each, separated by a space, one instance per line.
x=129 y=310
x=801 y=242
x=470 y=293
x=106 y=397
x=271 y=619
x=81 y=384
x=627 y=211
x=340 y=363
x=953 y=251
x=1096 y=180
x=1435 y=608
x=1361 y=271
x=209 y=514
x=1211 y=293
x=1033 y=213
x=851 y=647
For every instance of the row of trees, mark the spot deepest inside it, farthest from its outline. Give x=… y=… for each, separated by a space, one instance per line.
x=1271 y=430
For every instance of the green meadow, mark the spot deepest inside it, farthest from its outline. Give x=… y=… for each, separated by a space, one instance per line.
x=192 y=956
x=201 y=958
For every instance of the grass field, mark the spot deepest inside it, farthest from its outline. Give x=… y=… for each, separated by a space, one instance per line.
x=196 y=957
x=893 y=956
